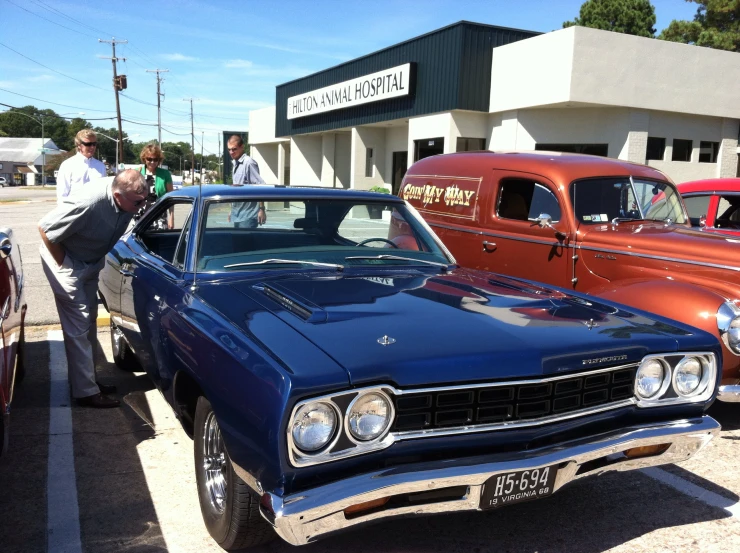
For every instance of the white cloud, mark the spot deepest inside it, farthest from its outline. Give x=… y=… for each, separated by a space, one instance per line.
x=40 y=78
x=238 y=64
x=178 y=57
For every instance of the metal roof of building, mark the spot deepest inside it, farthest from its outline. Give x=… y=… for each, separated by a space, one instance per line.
x=25 y=150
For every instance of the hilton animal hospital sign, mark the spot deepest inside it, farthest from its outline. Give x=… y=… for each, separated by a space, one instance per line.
x=389 y=83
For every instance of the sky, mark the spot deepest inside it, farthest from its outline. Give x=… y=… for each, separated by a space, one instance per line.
x=227 y=55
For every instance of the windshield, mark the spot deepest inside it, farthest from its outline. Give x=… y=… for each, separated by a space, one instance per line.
x=604 y=199
x=320 y=234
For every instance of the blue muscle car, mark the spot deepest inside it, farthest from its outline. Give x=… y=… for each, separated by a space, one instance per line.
x=335 y=367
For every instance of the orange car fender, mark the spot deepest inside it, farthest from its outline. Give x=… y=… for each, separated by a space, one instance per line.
x=687 y=303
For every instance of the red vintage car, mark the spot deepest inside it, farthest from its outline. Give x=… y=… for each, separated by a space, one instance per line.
x=610 y=228
x=713 y=204
x=12 y=315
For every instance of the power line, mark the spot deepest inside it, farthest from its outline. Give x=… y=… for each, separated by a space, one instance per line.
x=49 y=68
x=49 y=20
x=53 y=103
x=54 y=10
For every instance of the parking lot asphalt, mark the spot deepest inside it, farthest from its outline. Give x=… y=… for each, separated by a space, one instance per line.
x=86 y=480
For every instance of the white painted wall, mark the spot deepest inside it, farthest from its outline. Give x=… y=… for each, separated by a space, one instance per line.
x=266 y=156
x=431 y=126
x=581 y=65
x=262 y=125
x=305 y=160
x=363 y=138
x=343 y=153
x=467 y=124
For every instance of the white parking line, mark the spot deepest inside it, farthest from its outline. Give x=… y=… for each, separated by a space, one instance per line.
x=692 y=490
x=62 y=512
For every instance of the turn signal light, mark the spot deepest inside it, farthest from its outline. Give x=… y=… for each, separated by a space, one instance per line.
x=355 y=510
x=646 y=451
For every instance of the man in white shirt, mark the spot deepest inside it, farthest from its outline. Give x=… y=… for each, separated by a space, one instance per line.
x=80 y=168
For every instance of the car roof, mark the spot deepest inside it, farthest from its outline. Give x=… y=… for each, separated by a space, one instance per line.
x=267 y=192
x=710 y=185
x=557 y=166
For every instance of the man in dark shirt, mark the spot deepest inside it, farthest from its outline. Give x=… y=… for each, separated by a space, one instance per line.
x=76 y=237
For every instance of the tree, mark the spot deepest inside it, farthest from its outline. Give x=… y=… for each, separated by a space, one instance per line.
x=715 y=25
x=631 y=17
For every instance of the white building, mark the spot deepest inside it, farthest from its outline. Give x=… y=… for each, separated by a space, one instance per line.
x=672 y=106
x=21 y=159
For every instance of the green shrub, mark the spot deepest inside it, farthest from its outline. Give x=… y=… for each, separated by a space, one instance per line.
x=380 y=189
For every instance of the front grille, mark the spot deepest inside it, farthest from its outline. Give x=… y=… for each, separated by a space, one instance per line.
x=512 y=402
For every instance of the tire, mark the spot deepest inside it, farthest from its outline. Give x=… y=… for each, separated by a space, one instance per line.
x=123 y=357
x=230 y=509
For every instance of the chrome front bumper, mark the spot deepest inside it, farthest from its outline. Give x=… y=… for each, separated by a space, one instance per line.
x=729 y=393
x=304 y=517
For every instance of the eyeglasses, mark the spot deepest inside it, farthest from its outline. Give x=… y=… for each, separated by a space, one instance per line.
x=136 y=203
x=233 y=149
x=88 y=144
x=152 y=159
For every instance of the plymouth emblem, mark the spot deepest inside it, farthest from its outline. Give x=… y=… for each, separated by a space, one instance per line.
x=599 y=360
x=386 y=341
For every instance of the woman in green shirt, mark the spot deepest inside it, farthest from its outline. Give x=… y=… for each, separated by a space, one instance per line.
x=158 y=180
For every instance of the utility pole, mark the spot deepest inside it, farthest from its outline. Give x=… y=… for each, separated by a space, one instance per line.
x=192 y=140
x=220 y=176
x=159 y=94
x=118 y=84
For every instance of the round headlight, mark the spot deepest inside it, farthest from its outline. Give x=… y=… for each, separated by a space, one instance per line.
x=314 y=426
x=728 y=323
x=649 y=378
x=369 y=416
x=688 y=376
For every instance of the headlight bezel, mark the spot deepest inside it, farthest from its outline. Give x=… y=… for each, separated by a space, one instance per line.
x=335 y=431
x=669 y=394
x=387 y=427
x=727 y=314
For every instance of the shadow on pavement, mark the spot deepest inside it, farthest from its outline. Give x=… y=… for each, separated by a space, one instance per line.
x=116 y=510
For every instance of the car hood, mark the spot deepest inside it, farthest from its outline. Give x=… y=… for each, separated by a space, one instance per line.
x=412 y=329
x=668 y=242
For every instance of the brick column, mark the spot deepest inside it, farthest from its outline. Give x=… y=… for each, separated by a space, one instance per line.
x=727 y=162
x=638 y=135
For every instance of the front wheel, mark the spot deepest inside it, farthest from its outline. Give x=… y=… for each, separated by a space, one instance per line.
x=230 y=510
x=123 y=357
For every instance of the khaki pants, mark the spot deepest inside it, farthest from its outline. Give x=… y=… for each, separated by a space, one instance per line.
x=75 y=286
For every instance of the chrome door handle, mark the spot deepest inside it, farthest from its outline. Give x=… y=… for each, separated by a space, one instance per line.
x=488 y=247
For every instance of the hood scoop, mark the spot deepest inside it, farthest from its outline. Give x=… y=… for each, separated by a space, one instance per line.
x=298 y=306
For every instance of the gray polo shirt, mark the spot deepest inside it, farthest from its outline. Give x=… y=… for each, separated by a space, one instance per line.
x=245 y=171
x=88 y=225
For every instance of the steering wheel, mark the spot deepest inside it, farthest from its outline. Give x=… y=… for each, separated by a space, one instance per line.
x=376 y=240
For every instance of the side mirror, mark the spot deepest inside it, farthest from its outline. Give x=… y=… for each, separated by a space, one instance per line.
x=545 y=221
x=5 y=246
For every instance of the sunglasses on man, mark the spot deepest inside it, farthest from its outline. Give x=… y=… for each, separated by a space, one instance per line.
x=152 y=159
x=88 y=144
x=233 y=149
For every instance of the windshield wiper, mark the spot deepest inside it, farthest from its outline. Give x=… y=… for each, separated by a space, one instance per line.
x=287 y=262
x=444 y=266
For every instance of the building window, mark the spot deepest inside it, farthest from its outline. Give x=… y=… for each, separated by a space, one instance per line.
x=470 y=144
x=708 y=152
x=655 y=148
x=369 y=165
x=428 y=147
x=682 y=149
x=591 y=149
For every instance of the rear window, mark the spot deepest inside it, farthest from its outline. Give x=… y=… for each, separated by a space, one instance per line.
x=697 y=206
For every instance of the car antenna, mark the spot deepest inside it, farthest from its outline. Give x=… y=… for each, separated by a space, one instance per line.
x=194 y=286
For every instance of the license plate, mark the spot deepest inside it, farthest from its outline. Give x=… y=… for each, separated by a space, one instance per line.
x=514 y=487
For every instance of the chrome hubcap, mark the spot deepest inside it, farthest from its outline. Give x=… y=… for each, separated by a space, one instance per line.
x=214 y=463
x=116 y=341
